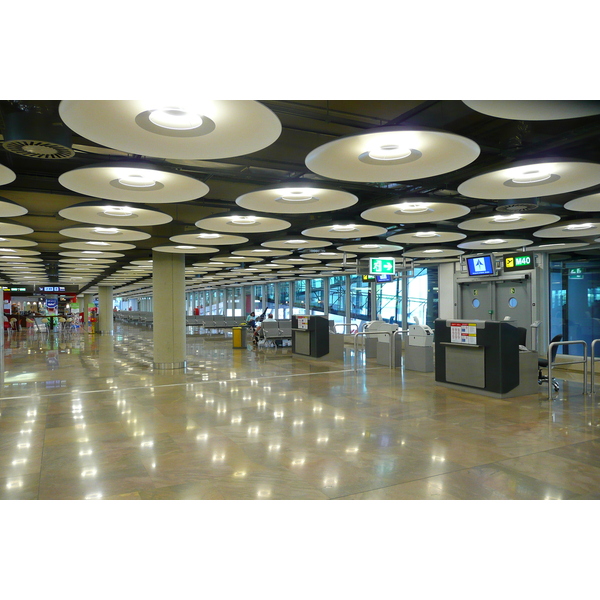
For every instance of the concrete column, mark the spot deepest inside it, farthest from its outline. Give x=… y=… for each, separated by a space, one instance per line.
x=87 y=300
x=105 y=308
x=168 y=293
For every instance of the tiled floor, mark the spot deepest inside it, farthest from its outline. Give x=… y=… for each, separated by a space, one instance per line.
x=84 y=417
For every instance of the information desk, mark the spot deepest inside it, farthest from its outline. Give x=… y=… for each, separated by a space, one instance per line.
x=310 y=335
x=481 y=355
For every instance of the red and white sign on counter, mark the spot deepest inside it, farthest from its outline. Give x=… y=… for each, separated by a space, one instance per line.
x=463 y=333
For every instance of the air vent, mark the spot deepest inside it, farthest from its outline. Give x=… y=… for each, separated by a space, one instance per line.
x=38 y=149
x=518 y=206
x=37 y=136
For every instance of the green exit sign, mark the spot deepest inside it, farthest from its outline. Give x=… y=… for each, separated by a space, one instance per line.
x=576 y=273
x=382 y=266
x=518 y=262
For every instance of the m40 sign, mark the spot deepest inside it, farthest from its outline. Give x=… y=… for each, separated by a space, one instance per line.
x=382 y=266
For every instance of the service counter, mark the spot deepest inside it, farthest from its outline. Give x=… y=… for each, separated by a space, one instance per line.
x=483 y=357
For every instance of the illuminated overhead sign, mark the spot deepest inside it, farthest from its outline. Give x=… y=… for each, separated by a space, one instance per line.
x=518 y=262
x=382 y=266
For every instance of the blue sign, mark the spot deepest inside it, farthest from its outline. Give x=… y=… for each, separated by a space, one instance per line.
x=51 y=303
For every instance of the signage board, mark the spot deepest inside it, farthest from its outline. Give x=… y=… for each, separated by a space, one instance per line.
x=576 y=273
x=463 y=333
x=518 y=262
x=382 y=265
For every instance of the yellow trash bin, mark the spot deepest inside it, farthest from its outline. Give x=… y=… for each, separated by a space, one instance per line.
x=239 y=337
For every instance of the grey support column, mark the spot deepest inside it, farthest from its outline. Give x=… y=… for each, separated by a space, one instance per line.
x=168 y=292
x=105 y=308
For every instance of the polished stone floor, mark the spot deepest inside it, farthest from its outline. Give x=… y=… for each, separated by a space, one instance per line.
x=85 y=417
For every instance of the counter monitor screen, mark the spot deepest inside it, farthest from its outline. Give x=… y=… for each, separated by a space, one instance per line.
x=481 y=265
x=383 y=278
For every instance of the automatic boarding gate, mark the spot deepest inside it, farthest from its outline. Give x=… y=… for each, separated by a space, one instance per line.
x=489 y=290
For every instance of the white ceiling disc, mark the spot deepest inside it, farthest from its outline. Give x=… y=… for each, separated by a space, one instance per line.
x=589 y=203
x=104 y=212
x=531 y=179
x=87 y=262
x=557 y=246
x=426 y=236
x=345 y=231
x=296 y=200
x=234 y=259
x=16 y=243
x=242 y=224
x=296 y=243
x=492 y=244
x=535 y=110
x=6 y=175
x=368 y=248
x=432 y=253
x=7 y=251
x=108 y=234
x=14 y=229
x=185 y=249
x=508 y=222
x=20 y=259
x=298 y=261
x=133 y=183
x=142 y=263
x=392 y=154
x=205 y=238
x=97 y=245
x=261 y=252
x=415 y=210
x=93 y=254
x=8 y=208
x=174 y=128
x=324 y=255
x=581 y=228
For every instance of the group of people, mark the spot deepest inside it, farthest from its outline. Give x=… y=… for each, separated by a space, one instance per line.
x=255 y=323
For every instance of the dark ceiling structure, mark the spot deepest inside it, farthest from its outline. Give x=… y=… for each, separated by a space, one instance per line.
x=305 y=126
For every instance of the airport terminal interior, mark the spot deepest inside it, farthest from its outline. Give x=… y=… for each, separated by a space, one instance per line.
x=299 y=300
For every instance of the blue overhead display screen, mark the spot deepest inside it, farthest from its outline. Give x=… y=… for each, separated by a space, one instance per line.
x=480 y=265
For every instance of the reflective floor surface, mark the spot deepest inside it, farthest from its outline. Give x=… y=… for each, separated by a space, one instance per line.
x=85 y=417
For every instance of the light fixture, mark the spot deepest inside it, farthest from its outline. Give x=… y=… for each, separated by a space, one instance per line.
x=208 y=236
x=413 y=207
x=243 y=220
x=507 y=218
x=343 y=228
x=432 y=251
x=389 y=152
x=186 y=247
x=98 y=243
x=494 y=241
x=106 y=230
x=426 y=234
x=175 y=118
x=136 y=180
x=370 y=246
x=532 y=176
x=579 y=226
x=297 y=242
x=117 y=211
x=297 y=195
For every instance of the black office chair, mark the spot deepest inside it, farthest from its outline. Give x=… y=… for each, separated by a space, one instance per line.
x=543 y=363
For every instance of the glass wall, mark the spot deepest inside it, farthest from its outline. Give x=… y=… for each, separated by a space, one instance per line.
x=270 y=293
x=317 y=296
x=258 y=299
x=284 y=300
x=389 y=301
x=360 y=301
x=337 y=301
x=423 y=296
x=300 y=297
x=238 y=309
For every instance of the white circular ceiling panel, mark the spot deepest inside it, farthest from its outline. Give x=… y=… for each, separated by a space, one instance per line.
x=426 y=236
x=6 y=175
x=133 y=183
x=106 y=213
x=173 y=128
x=415 y=210
x=367 y=248
x=392 y=154
x=532 y=179
x=581 y=228
x=109 y=234
x=590 y=203
x=433 y=252
x=296 y=200
x=508 y=222
x=206 y=238
x=14 y=229
x=242 y=224
x=185 y=249
x=535 y=110
x=496 y=243
x=296 y=243
x=97 y=245
x=8 y=208
x=16 y=243
x=345 y=231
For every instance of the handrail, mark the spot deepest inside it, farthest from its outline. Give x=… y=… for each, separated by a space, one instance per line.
x=370 y=333
x=570 y=362
x=592 y=365
x=344 y=325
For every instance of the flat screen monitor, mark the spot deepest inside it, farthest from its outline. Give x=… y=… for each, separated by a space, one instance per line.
x=383 y=278
x=481 y=265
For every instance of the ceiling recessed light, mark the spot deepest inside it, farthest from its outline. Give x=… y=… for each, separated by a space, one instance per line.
x=531 y=176
x=432 y=251
x=494 y=241
x=98 y=243
x=106 y=230
x=579 y=226
x=186 y=247
x=297 y=242
x=137 y=181
x=343 y=228
x=175 y=118
x=389 y=152
x=243 y=220
x=370 y=246
x=208 y=236
x=507 y=218
x=426 y=234
x=116 y=211
x=413 y=207
x=297 y=195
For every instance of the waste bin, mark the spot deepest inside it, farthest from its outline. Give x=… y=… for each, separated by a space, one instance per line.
x=239 y=336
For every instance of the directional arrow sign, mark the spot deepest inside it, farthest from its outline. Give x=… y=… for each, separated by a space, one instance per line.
x=381 y=266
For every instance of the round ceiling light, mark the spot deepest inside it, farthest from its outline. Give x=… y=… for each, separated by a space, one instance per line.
x=101 y=214
x=392 y=154
x=14 y=229
x=577 y=229
x=415 y=211
x=174 y=129
x=6 y=175
x=296 y=243
x=297 y=200
x=133 y=182
x=508 y=222
x=535 y=110
x=345 y=231
x=208 y=239
x=528 y=180
x=242 y=223
x=102 y=233
x=426 y=237
x=497 y=243
x=433 y=252
x=8 y=208
x=590 y=203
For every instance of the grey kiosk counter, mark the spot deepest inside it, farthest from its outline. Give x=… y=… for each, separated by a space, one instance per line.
x=310 y=335
x=483 y=357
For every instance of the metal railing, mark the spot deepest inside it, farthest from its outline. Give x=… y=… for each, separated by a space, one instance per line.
x=570 y=362
x=365 y=333
x=345 y=326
